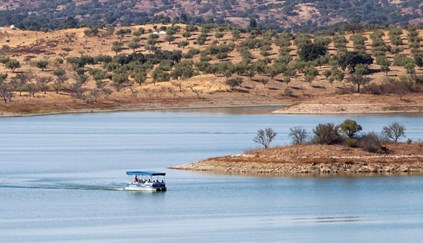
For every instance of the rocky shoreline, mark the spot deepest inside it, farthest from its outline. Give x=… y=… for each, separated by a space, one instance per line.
x=298 y=161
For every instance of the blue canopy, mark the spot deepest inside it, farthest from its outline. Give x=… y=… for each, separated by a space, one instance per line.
x=145 y=173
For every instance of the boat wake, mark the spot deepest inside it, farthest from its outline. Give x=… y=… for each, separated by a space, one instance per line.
x=58 y=185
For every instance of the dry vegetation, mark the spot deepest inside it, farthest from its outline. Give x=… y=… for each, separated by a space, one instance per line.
x=202 y=88
x=298 y=160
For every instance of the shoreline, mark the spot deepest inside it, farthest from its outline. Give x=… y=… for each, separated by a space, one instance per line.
x=139 y=109
x=331 y=105
x=316 y=160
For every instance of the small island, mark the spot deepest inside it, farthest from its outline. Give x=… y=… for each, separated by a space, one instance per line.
x=331 y=151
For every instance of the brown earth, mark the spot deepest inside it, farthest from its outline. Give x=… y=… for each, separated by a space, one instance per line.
x=319 y=96
x=317 y=160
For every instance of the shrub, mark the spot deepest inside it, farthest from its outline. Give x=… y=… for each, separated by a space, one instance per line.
x=326 y=134
x=371 y=143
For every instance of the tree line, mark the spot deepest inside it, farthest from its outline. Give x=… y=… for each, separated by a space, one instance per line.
x=209 y=54
x=347 y=133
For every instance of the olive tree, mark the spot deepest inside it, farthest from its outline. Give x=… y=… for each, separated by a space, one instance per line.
x=13 y=64
x=265 y=137
x=350 y=127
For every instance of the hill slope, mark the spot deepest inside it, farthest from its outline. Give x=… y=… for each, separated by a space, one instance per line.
x=185 y=65
x=276 y=14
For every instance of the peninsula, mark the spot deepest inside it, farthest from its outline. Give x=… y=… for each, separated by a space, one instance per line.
x=317 y=160
x=331 y=150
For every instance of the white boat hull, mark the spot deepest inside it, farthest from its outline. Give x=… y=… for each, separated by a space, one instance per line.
x=144 y=187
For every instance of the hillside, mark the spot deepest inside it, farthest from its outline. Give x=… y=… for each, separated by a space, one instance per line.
x=156 y=66
x=275 y=14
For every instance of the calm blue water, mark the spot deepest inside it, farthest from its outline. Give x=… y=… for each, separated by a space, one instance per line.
x=60 y=180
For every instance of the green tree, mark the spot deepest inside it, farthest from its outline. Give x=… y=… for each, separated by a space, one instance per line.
x=13 y=64
x=219 y=35
x=117 y=47
x=359 y=80
x=312 y=51
x=350 y=60
x=41 y=64
x=384 y=64
x=3 y=77
x=310 y=73
x=276 y=69
x=120 y=78
x=182 y=70
x=350 y=127
x=183 y=44
x=234 y=82
x=134 y=45
x=140 y=77
x=170 y=38
x=59 y=72
x=253 y=23
x=410 y=68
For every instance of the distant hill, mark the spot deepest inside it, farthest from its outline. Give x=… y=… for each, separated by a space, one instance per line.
x=292 y=15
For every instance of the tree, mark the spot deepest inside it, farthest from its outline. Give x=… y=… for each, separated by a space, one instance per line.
x=140 y=77
x=349 y=60
x=265 y=137
x=253 y=23
x=218 y=35
x=410 y=68
x=234 y=82
x=3 y=77
x=183 y=44
x=183 y=70
x=59 y=72
x=326 y=134
x=170 y=38
x=134 y=45
x=310 y=73
x=41 y=64
x=350 y=128
x=394 y=131
x=117 y=47
x=13 y=64
x=276 y=69
x=359 y=80
x=298 y=135
x=312 y=51
x=384 y=64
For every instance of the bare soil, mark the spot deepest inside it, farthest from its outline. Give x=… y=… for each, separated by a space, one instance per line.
x=317 y=160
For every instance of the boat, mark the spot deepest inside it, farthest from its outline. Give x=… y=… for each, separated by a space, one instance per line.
x=146 y=181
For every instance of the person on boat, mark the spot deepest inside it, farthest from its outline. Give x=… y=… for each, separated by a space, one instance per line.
x=136 y=178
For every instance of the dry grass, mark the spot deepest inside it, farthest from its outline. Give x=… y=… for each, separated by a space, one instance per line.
x=201 y=90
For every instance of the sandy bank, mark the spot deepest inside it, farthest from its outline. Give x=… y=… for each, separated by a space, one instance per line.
x=356 y=103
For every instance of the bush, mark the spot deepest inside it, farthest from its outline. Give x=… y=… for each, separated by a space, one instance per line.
x=371 y=143
x=326 y=134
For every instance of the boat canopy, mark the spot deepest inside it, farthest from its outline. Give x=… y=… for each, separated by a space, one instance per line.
x=145 y=173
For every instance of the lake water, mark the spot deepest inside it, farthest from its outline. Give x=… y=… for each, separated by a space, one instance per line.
x=61 y=178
